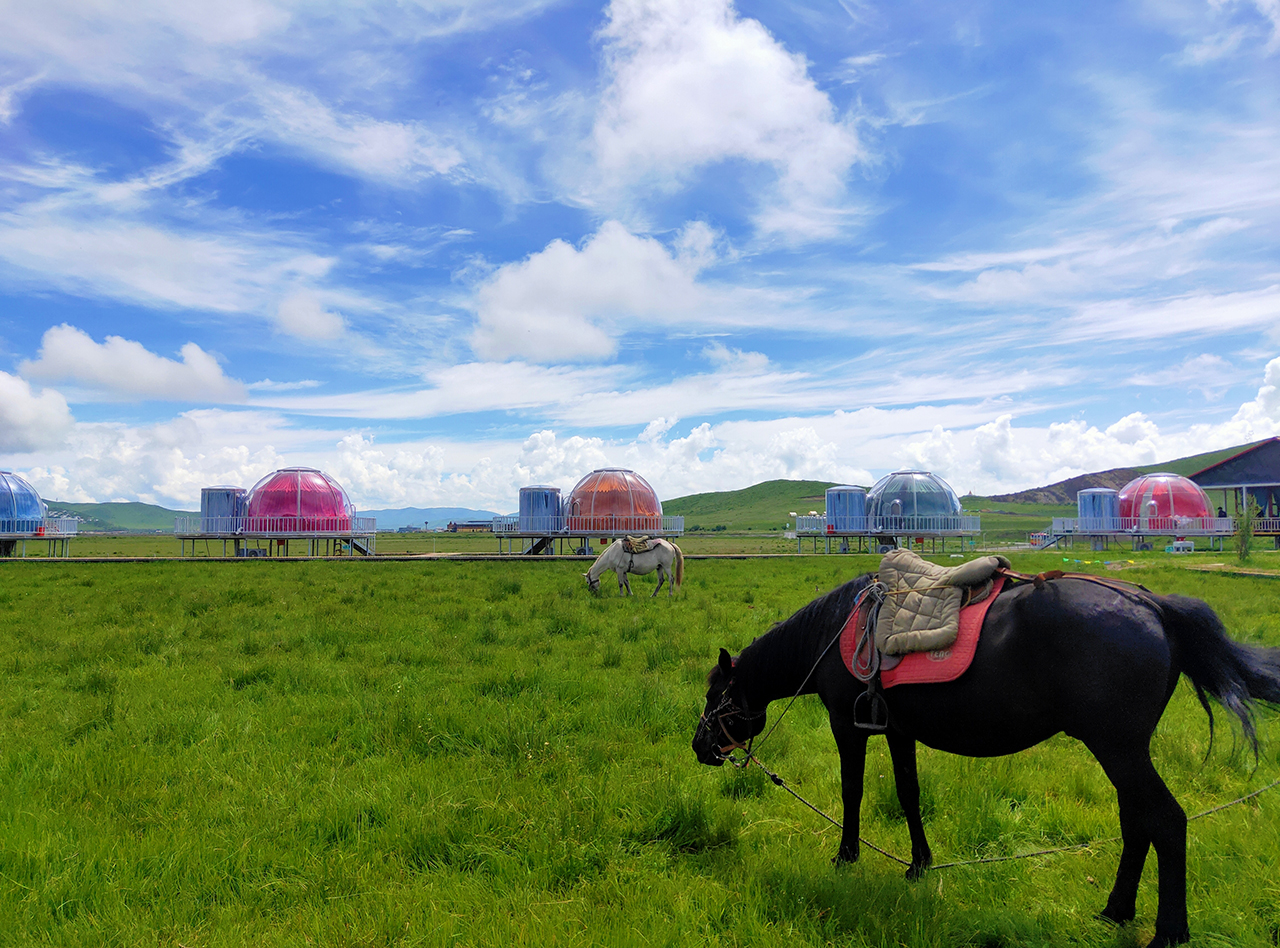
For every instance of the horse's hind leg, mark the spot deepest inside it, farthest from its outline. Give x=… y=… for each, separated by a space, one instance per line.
x=1149 y=815
x=902 y=750
x=662 y=575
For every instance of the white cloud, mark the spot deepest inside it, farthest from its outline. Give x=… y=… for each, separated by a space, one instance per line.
x=1203 y=314
x=1000 y=457
x=267 y=385
x=121 y=367
x=397 y=152
x=312 y=80
x=1262 y=415
x=975 y=447
x=83 y=248
x=302 y=314
x=568 y=303
x=30 y=421
x=1206 y=372
x=692 y=84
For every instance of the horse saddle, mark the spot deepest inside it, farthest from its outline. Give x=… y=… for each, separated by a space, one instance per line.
x=921 y=610
x=635 y=544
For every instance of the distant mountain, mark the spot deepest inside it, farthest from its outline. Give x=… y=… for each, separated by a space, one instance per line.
x=1064 y=492
x=118 y=517
x=430 y=517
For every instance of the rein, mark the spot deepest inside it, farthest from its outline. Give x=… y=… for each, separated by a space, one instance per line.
x=725 y=700
x=1075 y=847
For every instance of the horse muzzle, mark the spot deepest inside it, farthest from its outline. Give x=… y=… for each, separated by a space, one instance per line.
x=705 y=747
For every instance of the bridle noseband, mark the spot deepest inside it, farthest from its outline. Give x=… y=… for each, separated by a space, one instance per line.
x=727 y=708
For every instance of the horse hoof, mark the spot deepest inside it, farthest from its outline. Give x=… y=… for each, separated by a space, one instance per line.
x=1114 y=918
x=844 y=856
x=916 y=872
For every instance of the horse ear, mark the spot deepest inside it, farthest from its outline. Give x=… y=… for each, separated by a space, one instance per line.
x=726 y=663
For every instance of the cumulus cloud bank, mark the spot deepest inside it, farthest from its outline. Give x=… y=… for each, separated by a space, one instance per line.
x=127 y=369
x=30 y=421
x=566 y=302
x=693 y=84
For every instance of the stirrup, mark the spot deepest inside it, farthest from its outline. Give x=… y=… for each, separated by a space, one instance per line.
x=874 y=714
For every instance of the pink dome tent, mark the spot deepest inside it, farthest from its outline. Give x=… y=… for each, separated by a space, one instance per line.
x=612 y=501
x=1163 y=497
x=301 y=499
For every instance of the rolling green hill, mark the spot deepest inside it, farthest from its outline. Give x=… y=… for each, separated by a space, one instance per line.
x=1196 y=462
x=118 y=517
x=760 y=507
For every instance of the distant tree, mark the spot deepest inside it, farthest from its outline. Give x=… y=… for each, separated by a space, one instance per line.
x=1244 y=527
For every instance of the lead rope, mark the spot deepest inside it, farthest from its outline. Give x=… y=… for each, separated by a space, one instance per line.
x=857 y=604
x=778 y=781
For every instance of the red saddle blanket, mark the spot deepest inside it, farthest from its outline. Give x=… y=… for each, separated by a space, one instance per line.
x=924 y=668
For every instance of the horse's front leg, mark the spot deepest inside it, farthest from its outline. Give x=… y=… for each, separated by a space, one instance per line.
x=851 y=742
x=906 y=777
x=624 y=584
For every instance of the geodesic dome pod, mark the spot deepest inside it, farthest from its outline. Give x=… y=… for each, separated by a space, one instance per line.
x=299 y=498
x=611 y=501
x=21 y=509
x=1163 y=496
x=911 y=495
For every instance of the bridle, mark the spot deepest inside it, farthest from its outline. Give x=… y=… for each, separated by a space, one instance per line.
x=728 y=709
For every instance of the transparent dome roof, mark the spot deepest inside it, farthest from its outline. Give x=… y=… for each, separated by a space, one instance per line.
x=299 y=492
x=21 y=509
x=912 y=494
x=613 y=491
x=1163 y=495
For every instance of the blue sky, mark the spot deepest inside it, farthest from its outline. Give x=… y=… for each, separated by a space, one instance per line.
x=444 y=250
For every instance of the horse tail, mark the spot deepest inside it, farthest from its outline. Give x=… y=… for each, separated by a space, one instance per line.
x=679 y=566
x=1232 y=673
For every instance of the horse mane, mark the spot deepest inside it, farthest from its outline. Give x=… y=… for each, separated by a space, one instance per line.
x=800 y=632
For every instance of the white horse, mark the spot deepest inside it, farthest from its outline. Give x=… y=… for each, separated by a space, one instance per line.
x=662 y=555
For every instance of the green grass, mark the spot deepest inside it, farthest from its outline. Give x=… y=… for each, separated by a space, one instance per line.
x=1196 y=462
x=437 y=753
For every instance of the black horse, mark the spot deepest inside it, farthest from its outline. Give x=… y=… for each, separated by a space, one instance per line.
x=1095 y=662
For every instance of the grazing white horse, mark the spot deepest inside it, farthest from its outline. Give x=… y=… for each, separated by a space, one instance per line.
x=662 y=555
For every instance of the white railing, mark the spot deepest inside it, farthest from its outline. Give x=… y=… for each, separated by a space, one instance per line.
x=1151 y=526
x=614 y=525
x=44 y=527
x=274 y=526
x=894 y=526
x=611 y=525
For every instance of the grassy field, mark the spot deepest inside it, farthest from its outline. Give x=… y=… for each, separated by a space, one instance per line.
x=449 y=753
